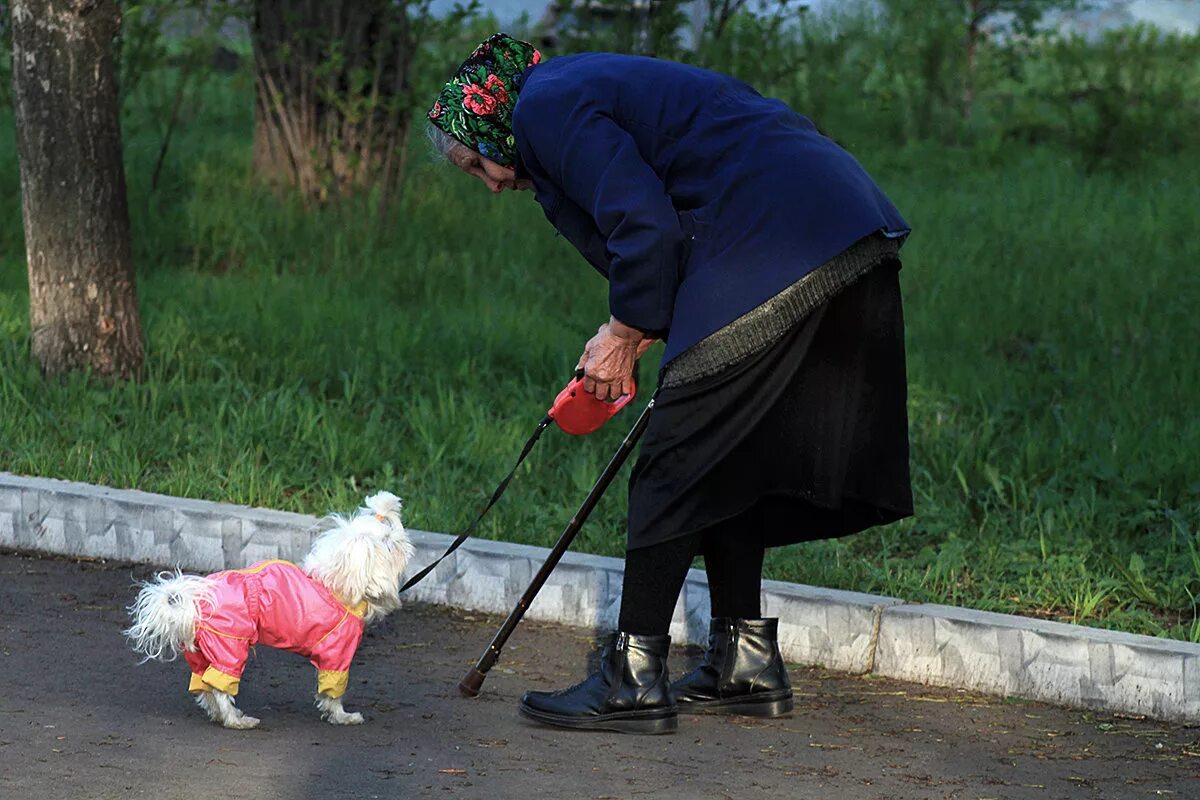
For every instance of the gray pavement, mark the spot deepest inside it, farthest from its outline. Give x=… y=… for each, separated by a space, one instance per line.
x=80 y=719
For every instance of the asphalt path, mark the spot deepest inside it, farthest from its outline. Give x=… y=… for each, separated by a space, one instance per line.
x=81 y=719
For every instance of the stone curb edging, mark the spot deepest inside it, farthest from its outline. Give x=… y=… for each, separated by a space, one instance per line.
x=981 y=651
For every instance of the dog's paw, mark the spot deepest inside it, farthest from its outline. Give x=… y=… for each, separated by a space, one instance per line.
x=242 y=723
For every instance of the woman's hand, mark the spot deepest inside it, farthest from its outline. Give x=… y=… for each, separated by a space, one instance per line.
x=608 y=359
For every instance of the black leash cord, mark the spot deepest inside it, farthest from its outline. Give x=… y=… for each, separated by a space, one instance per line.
x=470 y=529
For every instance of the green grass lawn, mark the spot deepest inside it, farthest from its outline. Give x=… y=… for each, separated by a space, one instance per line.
x=298 y=360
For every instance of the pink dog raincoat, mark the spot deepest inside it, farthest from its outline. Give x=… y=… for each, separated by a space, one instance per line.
x=275 y=603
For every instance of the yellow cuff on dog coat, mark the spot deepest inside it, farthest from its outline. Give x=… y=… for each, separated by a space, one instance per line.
x=214 y=679
x=332 y=683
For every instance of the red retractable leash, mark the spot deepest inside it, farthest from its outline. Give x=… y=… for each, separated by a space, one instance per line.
x=576 y=412
x=579 y=413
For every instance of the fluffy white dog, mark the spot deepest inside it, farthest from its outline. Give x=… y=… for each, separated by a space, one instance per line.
x=350 y=577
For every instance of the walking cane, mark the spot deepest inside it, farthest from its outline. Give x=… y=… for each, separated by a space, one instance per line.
x=471 y=684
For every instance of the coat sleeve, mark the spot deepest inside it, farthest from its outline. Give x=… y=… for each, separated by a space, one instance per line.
x=225 y=656
x=332 y=656
x=596 y=164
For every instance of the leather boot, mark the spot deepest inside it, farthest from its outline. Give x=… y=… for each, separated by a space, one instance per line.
x=742 y=672
x=630 y=693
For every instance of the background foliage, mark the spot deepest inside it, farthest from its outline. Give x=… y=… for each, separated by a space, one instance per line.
x=298 y=357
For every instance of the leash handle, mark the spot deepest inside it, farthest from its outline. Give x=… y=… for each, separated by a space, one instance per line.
x=579 y=413
x=470 y=529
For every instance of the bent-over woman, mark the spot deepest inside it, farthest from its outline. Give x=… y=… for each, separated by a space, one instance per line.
x=766 y=258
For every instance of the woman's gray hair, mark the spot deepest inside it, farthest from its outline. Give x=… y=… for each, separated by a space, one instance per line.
x=442 y=142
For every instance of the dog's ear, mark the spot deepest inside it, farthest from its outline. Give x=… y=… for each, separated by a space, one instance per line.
x=350 y=562
x=401 y=548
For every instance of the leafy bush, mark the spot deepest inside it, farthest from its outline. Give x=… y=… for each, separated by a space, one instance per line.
x=1135 y=92
x=1110 y=103
x=647 y=28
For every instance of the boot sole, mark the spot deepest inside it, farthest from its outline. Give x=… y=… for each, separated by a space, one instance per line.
x=639 y=722
x=773 y=705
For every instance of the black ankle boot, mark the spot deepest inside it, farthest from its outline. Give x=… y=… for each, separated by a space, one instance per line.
x=631 y=692
x=742 y=673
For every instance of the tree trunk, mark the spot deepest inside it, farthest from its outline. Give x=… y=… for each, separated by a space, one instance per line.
x=82 y=296
x=333 y=94
x=721 y=13
x=974 y=22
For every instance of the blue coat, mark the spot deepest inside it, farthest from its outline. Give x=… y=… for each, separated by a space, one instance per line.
x=695 y=196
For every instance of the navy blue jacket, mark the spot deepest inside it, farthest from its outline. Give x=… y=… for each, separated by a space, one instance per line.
x=695 y=196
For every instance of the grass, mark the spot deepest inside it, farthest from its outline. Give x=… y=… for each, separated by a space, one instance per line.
x=297 y=360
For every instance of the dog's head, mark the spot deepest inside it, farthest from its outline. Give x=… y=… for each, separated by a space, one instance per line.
x=362 y=557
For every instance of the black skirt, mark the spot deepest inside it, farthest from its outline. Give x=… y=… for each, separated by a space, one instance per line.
x=811 y=434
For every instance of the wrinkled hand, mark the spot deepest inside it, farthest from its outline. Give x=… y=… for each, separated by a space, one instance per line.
x=608 y=359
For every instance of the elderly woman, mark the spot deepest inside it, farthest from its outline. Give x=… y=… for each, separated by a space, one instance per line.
x=765 y=257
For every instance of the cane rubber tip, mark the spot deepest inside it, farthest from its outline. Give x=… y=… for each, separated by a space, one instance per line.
x=472 y=683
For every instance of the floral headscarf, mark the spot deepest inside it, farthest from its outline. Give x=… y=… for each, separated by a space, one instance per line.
x=476 y=106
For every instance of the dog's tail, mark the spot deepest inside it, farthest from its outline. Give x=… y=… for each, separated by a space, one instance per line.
x=165 y=614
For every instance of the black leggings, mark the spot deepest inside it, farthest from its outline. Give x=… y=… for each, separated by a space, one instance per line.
x=733 y=558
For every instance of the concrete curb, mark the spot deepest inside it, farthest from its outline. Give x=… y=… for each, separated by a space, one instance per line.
x=846 y=631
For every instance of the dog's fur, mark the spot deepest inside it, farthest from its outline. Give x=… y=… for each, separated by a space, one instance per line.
x=360 y=558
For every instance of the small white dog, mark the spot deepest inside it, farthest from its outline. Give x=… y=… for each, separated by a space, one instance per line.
x=350 y=577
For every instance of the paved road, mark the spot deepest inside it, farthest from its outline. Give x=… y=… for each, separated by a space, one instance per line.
x=80 y=719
